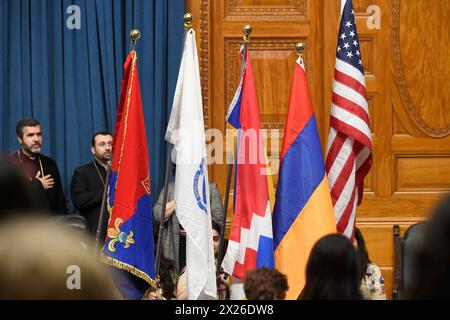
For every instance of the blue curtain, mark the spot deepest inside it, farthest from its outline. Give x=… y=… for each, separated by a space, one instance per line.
x=69 y=80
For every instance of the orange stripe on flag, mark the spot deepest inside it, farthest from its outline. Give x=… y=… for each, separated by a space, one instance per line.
x=312 y=223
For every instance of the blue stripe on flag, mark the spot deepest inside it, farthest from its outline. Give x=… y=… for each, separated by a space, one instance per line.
x=265 y=253
x=142 y=230
x=112 y=187
x=301 y=171
x=234 y=116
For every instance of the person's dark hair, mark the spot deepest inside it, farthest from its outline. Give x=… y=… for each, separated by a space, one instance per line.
x=100 y=133
x=215 y=226
x=28 y=122
x=166 y=271
x=265 y=284
x=16 y=195
x=363 y=255
x=430 y=274
x=173 y=169
x=332 y=271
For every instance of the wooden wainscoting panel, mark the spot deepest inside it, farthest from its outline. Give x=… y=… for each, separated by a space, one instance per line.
x=423 y=173
x=265 y=9
x=388 y=275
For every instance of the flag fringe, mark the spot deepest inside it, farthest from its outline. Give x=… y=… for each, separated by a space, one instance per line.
x=124 y=266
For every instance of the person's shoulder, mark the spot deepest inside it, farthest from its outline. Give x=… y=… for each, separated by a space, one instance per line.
x=372 y=268
x=86 y=166
x=12 y=159
x=212 y=185
x=84 y=170
x=47 y=159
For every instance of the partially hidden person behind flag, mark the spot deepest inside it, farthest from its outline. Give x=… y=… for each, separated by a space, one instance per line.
x=192 y=198
x=222 y=278
x=129 y=246
x=250 y=244
x=349 y=153
x=372 y=280
x=89 y=181
x=303 y=211
x=174 y=236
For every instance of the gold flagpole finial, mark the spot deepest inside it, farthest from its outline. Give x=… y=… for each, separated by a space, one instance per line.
x=135 y=34
x=188 y=18
x=300 y=47
x=247 y=29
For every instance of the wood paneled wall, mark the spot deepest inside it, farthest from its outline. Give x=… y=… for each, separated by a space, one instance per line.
x=407 y=74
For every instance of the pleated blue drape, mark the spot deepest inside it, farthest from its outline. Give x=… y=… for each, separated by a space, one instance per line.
x=70 y=80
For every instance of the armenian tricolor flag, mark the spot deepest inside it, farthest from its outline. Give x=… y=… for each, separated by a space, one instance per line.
x=303 y=211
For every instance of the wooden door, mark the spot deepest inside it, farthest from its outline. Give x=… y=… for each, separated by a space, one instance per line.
x=407 y=75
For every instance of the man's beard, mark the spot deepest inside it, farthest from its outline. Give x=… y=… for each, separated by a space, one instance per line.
x=104 y=158
x=34 y=150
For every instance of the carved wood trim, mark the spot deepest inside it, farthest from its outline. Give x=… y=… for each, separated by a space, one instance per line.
x=204 y=58
x=294 y=11
x=232 y=46
x=400 y=79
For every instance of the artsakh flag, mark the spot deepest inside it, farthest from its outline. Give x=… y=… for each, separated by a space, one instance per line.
x=129 y=241
x=303 y=211
x=250 y=244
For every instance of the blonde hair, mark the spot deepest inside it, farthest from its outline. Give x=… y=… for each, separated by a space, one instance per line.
x=36 y=259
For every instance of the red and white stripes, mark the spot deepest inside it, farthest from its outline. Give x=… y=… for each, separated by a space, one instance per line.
x=349 y=154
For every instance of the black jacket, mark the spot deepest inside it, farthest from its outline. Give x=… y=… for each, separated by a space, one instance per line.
x=86 y=190
x=53 y=199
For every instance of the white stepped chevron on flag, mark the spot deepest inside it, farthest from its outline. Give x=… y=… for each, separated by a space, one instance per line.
x=349 y=154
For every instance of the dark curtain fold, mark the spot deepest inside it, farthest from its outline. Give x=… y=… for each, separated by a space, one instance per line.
x=69 y=80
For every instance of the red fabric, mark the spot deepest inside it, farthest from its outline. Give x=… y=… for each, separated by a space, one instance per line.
x=130 y=158
x=302 y=109
x=251 y=182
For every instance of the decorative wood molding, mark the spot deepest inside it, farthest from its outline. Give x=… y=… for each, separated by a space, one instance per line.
x=399 y=77
x=366 y=46
x=204 y=58
x=232 y=46
x=371 y=221
x=295 y=11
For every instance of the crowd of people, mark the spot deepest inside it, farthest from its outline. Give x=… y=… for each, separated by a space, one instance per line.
x=39 y=246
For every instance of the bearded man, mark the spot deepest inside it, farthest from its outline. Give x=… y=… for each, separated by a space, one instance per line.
x=89 y=181
x=41 y=171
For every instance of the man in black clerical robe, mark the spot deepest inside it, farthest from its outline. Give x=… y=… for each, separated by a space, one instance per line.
x=41 y=171
x=88 y=183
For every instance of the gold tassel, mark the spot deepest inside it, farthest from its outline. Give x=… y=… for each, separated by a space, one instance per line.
x=128 y=268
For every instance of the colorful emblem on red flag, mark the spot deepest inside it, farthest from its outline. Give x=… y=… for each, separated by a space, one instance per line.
x=129 y=242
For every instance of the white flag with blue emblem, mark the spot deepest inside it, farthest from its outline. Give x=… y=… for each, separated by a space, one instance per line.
x=186 y=132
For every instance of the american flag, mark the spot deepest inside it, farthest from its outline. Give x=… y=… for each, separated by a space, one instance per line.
x=349 y=154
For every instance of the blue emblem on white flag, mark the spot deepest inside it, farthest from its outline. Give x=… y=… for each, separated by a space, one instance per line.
x=199 y=187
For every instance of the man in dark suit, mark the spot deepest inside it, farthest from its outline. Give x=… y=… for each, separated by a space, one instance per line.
x=88 y=183
x=41 y=171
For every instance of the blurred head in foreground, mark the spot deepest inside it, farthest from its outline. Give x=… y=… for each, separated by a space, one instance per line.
x=332 y=271
x=265 y=284
x=42 y=259
x=16 y=195
x=431 y=277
